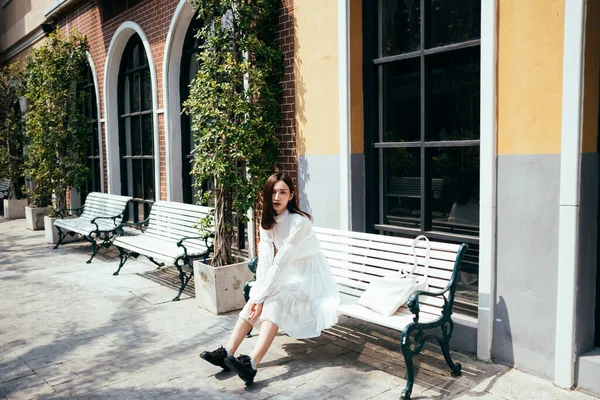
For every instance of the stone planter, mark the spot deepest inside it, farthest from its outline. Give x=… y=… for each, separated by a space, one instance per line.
x=14 y=209
x=220 y=289
x=52 y=232
x=34 y=217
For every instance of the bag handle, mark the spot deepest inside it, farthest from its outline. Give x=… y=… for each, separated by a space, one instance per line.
x=427 y=256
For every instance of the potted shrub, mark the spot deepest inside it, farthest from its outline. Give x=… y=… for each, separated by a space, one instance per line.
x=11 y=141
x=57 y=131
x=234 y=105
x=36 y=211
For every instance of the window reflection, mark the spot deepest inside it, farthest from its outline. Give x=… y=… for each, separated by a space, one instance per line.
x=455 y=204
x=401 y=26
x=402 y=101
x=402 y=187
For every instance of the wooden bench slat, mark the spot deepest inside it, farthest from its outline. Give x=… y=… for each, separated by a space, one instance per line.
x=322 y=232
x=382 y=250
x=390 y=265
x=369 y=272
x=172 y=231
x=351 y=274
x=175 y=238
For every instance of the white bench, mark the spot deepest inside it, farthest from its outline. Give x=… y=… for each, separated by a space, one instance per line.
x=358 y=258
x=100 y=217
x=170 y=235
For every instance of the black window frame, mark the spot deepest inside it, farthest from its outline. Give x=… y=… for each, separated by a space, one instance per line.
x=127 y=154
x=90 y=110
x=374 y=61
x=191 y=47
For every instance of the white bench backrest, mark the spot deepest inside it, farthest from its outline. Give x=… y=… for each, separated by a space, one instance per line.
x=358 y=258
x=174 y=220
x=408 y=186
x=103 y=205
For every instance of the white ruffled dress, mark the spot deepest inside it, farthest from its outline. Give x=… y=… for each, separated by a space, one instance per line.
x=296 y=286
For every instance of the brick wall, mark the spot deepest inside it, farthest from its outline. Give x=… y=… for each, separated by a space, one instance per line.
x=286 y=134
x=154 y=17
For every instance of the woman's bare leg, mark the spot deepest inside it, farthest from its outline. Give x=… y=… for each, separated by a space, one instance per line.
x=268 y=330
x=239 y=333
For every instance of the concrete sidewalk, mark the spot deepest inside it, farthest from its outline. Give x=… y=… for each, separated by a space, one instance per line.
x=71 y=330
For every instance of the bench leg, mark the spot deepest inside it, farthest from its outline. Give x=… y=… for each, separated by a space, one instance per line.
x=61 y=237
x=456 y=368
x=183 y=278
x=410 y=374
x=95 y=249
x=123 y=257
x=160 y=265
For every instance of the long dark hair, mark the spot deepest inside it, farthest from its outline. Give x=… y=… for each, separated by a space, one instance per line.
x=268 y=213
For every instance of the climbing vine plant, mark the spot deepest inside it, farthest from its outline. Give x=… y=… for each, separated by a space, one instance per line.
x=57 y=130
x=234 y=105
x=11 y=128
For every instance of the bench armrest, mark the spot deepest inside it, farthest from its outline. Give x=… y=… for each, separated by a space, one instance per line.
x=204 y=237
x=209 y=247
x=114 y=219
x=140 y=225
x=62 y=212
x=413 y=301
x=253 y=264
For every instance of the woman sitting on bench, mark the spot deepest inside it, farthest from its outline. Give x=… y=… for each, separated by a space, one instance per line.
x=294 y=290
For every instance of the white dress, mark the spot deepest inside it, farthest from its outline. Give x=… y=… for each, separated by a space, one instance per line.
x=296 y=286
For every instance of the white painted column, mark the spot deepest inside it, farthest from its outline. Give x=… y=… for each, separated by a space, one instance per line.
x=570 y=166
x=344 y=112
x=488 y=184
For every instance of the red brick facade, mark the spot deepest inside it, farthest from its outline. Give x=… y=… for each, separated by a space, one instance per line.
x=154 y=17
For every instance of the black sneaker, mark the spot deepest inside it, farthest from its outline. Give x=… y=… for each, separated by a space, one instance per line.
x=242 y=367
x=216 y=357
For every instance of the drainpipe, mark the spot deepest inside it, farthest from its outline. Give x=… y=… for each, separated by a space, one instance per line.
x=487 y=208
x=570 y=166
x=344 y=112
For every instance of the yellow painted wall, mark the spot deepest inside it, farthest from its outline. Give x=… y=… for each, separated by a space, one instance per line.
x=357 y=121
x=316 y=77
x=591 y=77
x=530 y=58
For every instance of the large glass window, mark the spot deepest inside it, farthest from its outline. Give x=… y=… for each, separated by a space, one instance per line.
x=136 y=138
x=189 y=69
x=90 y=110
x=425 y=129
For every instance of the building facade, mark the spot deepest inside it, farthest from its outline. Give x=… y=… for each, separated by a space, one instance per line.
x=470 y=121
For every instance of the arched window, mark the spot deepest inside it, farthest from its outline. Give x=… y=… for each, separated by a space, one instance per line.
x=189 y=68
x=136 y=140
x=90 y=110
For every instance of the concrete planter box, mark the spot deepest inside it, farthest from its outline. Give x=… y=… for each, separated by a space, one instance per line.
x=52 y=232
x=14 y=209
x=34 y=217
x=220 y=289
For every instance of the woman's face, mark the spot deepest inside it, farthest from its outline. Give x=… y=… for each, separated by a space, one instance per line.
x=281 y=196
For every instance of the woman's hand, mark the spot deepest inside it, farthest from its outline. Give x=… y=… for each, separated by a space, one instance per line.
x=255 y=311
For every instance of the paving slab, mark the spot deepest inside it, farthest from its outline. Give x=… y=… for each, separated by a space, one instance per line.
x=72 y=330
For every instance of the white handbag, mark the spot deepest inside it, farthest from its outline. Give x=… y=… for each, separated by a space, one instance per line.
x=385 y=295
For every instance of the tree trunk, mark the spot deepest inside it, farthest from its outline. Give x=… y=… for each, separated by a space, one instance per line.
x=223 y=240
x=60 y=198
